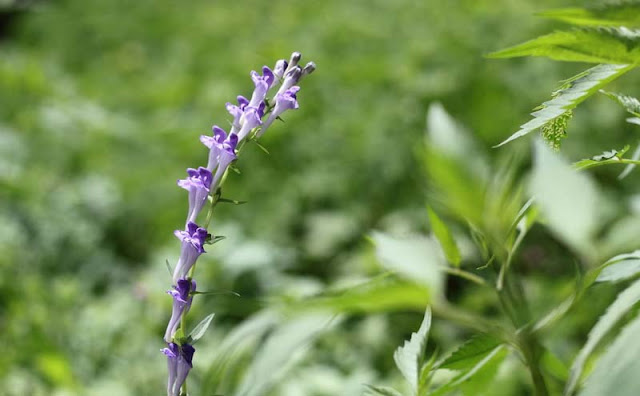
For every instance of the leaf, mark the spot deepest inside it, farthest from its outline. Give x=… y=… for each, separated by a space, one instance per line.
x=484 y=371
x=607 y=157
x=616 y=372
x=409 y=357
x=201 y=328
x=629 y=103
x=381 y=391
x=376 y=295
x=567 y=199
x=442 y=233
x=415 y=258
x=595 y=45
x=621 y=267
x=231 y=201
x=569 y=95
x=614 y=14
x=470 y=353
x=623 y=303
x=629 y=168
x=168 y=267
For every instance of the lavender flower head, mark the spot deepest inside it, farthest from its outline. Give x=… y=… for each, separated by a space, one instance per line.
x=182 y=298
x=192 y=247
x=179 y=362
x=198 y=184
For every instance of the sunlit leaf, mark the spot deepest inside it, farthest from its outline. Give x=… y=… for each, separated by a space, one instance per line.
x=616 y=372
x=623 y=303
x=201 y=328
x=567 y=199
x=613 y=14
x=442 y=233
x=629 y=103
x=569 y=95
x=596 y=45
x=620 y=267
x=381 y=391
x=409 y=357
x=607 y=157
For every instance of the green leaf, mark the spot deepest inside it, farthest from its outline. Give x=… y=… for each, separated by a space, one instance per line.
x=201 y=328
x=629 y=103
x=381 y=391
x=231 y=201
x=616 y=372
x=415 y=258
x=442 y=233
x=409 y=357
x=629 y=168
x=621 y=267
x=614 y=14
x=470 y=353
x=478 y=376
x=381 y=294
x=569 y=95
x=595 y=45
x=567 y=199
x=623 y=303
x=607 y=157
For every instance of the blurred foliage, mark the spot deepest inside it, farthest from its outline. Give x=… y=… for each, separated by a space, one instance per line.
x=101 y=106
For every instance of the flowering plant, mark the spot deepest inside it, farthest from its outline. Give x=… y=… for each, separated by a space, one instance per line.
x=251 y=118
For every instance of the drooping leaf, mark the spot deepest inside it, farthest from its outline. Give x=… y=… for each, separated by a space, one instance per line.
x=471 y=352
x=381 y=391
x=409 y=357
x=620 y=267
x=623 y=303
x=569 y=95
x=201 y=328
x=629 y=103
x=442 y=233
x=616 y=372
x=613 y=14
x=619 y=46
x=415 y=258
x=567 y=199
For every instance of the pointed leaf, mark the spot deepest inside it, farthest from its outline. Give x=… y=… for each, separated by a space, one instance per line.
x=629 y=168
x=623 y=303
x=381 y=391
x=629 y=103
x=596 y=45
x=612 y=14
x=567 y=199
x=570 y=95
x=442 y=233
x=409 y=357
x=201 y=328
x=616 y=372
x=470 y=353
x=607 y=157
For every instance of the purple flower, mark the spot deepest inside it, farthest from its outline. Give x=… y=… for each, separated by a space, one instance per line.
x=215 y=143
x=291 y=77
x=279 y=69
x=192 y=247
x=182 y=299
x=179 y=358
x=226 y=156
x=262 y=85
x=198 y=184
x=284 y=101
x=185 y=364
x=251 y=119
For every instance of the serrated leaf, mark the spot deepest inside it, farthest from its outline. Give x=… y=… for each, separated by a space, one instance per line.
x=381 y=391
x=629 y=103
x=595 y=45
x=614 y=14
x=471 y=352
x=442 y=233
x=415 y=258
x=569 y=95
x=567 y=199
x=623 y=303
x=616 y=372
x=607 y=157
x=409 y=357
x=201 y=328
